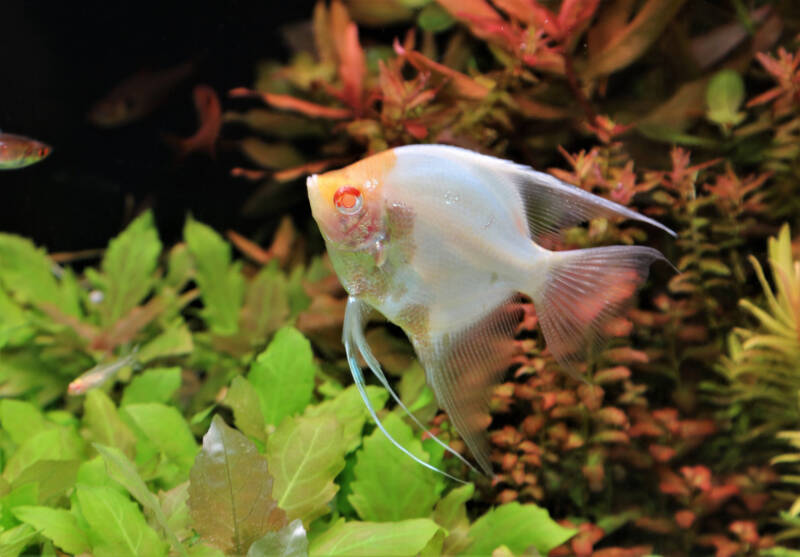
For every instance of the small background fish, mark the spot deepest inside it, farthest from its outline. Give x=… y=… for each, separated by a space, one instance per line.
x=442 y=241
x=18 y=151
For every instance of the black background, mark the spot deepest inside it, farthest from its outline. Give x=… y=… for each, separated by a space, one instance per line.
x=59 y=57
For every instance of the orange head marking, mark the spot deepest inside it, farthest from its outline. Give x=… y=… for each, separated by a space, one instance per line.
x=347 y=203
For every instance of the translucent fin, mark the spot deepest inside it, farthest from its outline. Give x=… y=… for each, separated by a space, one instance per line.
x=582 y=291
x=463 y=365
x=552 y=205
x=353 y=338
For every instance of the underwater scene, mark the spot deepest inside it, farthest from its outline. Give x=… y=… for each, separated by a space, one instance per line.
x=400 y=277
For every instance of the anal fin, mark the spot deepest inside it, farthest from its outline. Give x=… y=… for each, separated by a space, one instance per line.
x=463 y=365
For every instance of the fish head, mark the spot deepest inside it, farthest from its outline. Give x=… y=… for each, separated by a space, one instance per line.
x=348 y=204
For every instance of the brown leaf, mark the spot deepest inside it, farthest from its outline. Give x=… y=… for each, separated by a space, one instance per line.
x=230 y=491
x=632 y=40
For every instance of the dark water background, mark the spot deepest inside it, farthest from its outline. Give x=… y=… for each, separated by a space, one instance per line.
x=58 y=58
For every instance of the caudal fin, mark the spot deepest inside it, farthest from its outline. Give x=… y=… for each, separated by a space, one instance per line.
x=582 y=291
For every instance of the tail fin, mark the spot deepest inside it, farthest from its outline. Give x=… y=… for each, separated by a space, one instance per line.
x=582 y=290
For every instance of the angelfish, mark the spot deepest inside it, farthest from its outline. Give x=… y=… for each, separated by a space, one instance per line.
x=441 y=241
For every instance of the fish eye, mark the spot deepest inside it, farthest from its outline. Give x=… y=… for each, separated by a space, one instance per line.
x=348 y=200
x=42 y=151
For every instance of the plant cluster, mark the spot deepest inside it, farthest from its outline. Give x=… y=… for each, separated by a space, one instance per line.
x=681 y=436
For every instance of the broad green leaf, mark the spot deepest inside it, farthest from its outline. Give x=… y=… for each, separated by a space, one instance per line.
x=283 y=375
x=128 y=268
x=350 y=410
x=153 y=385
x=391 y=489
x=174 y=341
x=243 y=400
x=52 y=477
x=305 y=455
x=518 y=527
x=230 y=491
x=123 y=471
x=28 y=375
x=221 y=283
x=166 y=429
x=21 y=420
x=117 y=527
x=289 y=541
x=724 y=97
x=93 y=472
x=26 y=494
x=26 y=273
x=266 y=303
x=175 y=505
x=104 y=424
x=58 y=525
x=179 y=267
x=14 y=540
x=52 y=444
x=407 y=537
x=451 y=514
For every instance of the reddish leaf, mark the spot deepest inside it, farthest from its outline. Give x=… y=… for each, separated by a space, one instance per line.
x=287 y=102
x=461 y=83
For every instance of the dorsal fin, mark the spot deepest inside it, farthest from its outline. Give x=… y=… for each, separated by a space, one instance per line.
x=553 y=206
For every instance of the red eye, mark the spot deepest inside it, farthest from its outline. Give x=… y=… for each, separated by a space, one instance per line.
x=348 y=200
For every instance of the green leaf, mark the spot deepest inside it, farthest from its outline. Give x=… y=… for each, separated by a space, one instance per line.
x=724 y=96
x=283 y=375
x=243 y=400
x=14 y=540
x=58 y=525
x=451 y=514
x=26 y=273
x=434 y=18
x=53 y=478
x=104 y=424
x=128 y=268
x=391 y=489
x=124 y=472
x=518 y=527
x=221 y=283
x=350 y=411
x=117 y=527
x=230 y=491
x=266 y=304
x=26 y=494
x=174 y=341
x=305 y=456
x=407 y=537
x=27 y=374
x=166 y=429
x=52 y=444
x=153 y=385
x=21 y=420
x=289 y=541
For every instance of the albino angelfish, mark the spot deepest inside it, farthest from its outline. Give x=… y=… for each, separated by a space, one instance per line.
x=442 y=241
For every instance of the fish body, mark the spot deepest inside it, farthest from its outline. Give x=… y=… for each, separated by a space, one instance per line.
x=18 y=151
x=99 y=374
x=442 y=241
x=137 y=96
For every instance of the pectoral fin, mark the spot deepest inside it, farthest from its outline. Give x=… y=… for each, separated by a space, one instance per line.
x=463 y=365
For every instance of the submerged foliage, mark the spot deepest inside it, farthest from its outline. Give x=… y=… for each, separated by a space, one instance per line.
x=224 y=421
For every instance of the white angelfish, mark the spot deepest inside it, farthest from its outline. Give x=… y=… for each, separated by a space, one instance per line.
x=441 y=241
